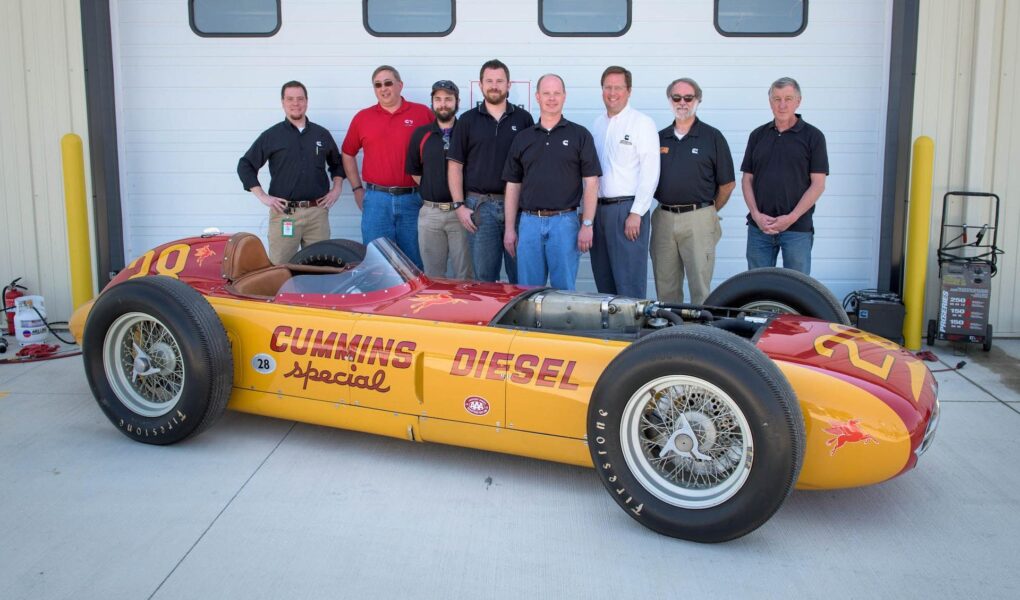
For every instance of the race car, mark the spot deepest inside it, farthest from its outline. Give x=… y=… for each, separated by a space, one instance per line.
x=699 y=420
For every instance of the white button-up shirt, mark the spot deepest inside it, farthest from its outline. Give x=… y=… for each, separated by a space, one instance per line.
x=628 y=149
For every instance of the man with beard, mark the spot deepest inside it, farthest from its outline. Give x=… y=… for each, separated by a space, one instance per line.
x=785 y=166
x=299 y=198
x=389 y=199
x=628 y=148
x=695 y=182
x=478 y=150
x=550 y=169
x=440 y=234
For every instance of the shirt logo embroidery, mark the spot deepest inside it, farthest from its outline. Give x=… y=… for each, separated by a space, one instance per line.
x=626 y=140
x=566 y=142
x=409 y=122
x=663 y=150
x=694 y=150
x=513 y=128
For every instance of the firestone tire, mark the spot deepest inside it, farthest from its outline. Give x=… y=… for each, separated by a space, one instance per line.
x=986 y=345
x=157 y=359
x=779 y=290
x=330 y=253
x=696 y=434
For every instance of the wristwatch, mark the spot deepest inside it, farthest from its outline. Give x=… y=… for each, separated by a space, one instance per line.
x=457 y=205
x=587 y=223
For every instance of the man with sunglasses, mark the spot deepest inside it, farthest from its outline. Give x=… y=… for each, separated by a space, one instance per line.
x=695 y=182
x=387 y=196
x=628 y=149
x=441 y=237
x=785 y=166
x=299 y=153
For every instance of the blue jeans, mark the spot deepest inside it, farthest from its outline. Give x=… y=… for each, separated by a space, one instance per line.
x=762 y=249
x=487 y=252
x=547 y=247
x=394 y=217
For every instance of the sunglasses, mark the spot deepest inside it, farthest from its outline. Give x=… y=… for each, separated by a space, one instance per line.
x=688 y=98
x=379 y=84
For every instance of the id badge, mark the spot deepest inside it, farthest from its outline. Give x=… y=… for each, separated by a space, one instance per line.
x=287 y=227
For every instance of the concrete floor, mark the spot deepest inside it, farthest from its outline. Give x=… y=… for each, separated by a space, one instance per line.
x=262 y=508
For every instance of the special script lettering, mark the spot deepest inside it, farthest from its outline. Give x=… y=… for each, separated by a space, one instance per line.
x=375 y=382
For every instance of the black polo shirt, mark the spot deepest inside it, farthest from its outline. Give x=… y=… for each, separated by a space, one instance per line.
x=426 y=158
x=297 y=161
x=481 y=144
x=550 y=165
x=694 y=167
x=782 y=164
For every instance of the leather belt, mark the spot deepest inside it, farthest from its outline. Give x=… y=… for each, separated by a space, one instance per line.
x=615 y=200
x=292 y=204
x=486 y=197
x=392 y=190
x=443 y=206
x=541 y=212
x=683 y=208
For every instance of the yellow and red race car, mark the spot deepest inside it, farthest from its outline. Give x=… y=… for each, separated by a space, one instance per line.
x=698 y=419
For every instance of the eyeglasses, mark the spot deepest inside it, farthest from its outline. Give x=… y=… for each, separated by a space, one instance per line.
x=688 y=98
x=379 y=84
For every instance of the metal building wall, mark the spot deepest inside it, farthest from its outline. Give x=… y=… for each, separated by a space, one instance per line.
x=42 y=98
x=965 y=92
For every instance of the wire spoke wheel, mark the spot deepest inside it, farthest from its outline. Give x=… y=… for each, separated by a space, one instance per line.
x=144 y=364
x=686 y=441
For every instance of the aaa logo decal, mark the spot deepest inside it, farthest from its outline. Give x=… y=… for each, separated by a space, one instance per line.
x=476 y=406
x=847 y=432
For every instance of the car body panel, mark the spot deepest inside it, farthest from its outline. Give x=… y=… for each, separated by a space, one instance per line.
x=426 y=361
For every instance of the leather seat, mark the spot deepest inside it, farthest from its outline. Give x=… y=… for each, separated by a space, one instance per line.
x=243 y=254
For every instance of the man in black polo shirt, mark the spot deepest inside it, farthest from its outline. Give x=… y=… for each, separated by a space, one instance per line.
x=695 y=180
x=440 y=234
x=551 y=166
x=478 y=150
x=299 y=195
x=785 y=166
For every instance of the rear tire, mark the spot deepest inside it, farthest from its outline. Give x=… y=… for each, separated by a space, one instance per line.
x=696 y=434
x=330 y=253
x=932 y=332
x=987 y=344
x=157 y=359
x=781 y=291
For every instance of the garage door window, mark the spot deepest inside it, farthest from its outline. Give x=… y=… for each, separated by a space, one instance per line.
x=771 y=18
x=584 y=17
x=234 y=18
x=417 y=18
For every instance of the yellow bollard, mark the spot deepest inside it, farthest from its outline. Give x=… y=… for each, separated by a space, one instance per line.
x=918 y=231
x=77 y=219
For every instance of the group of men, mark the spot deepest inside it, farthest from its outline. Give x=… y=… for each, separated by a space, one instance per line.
x=494 y=189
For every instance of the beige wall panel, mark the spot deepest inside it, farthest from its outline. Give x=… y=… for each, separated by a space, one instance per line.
x=1006 y=177
x=45 y=101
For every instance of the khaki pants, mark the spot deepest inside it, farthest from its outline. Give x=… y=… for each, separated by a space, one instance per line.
x=684 y=242
x=310 y=225
x=441 y=237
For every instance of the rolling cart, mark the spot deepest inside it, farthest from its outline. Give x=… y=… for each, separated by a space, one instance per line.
x=967 y=256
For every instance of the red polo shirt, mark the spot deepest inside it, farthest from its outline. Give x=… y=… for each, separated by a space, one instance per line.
x=384 y=136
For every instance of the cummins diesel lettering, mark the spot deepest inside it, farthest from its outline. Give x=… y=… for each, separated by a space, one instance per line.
x=520 y=368
x=368 y=350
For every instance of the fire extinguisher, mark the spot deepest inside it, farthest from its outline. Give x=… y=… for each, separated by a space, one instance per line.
x=12 y=292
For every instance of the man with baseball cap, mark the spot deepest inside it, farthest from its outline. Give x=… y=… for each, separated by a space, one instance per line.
x=441 y=237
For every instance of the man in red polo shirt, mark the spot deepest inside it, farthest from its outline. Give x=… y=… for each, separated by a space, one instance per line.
x=385 y=193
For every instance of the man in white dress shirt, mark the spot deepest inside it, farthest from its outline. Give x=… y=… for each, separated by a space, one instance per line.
x=628 y=149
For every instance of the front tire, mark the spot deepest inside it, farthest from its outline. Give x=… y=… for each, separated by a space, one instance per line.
x=696 y=434
x=779 y=290
x=157 y=359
